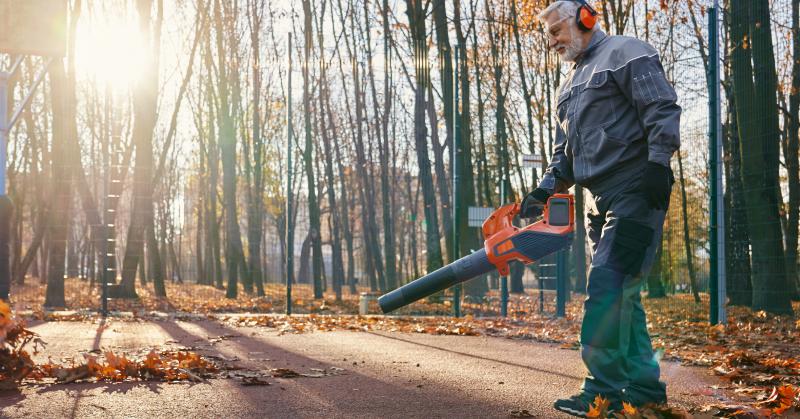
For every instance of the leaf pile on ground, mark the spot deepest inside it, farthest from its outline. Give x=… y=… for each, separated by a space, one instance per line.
x=17 y=365
x=782 y=401
x=111 y=367
x=600 y=409
x=756 y=352
x=467 y=326
x=203 y=299
x=15 y=361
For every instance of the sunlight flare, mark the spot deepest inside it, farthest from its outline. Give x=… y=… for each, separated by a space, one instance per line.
x=110 y=50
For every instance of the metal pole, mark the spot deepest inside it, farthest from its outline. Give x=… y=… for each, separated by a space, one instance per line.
x=541 y=293
x=29 y=96
x=4 y=128
x=561 y=282
x=721 y=282
x=456 y=181
x=289 y=227
x=503 y=279
x=104 y=220
x=716 y=222
x=504 y=296
x=5 y=203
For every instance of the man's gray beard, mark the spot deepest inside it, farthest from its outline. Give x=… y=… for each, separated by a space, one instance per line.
x=573 y=50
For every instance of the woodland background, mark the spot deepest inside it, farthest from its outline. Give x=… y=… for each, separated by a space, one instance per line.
x=169 y=120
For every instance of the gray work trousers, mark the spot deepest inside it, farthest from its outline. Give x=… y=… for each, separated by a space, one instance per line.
x=624 y=233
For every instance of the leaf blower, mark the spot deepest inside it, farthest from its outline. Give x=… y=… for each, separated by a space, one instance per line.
x=503 y=243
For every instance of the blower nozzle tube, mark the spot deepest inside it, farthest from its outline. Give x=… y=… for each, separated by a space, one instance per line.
x=462 y=270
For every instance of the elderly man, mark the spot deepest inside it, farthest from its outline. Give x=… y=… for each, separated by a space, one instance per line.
x=618 y=126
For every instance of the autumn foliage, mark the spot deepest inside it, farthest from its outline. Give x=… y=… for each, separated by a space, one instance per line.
x=17 y=365
x=160 y=366
x=15 y=361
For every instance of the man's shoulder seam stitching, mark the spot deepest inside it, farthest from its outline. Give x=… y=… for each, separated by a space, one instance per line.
x=616 y=69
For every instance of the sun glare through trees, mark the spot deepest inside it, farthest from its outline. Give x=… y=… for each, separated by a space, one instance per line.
x=110 y=49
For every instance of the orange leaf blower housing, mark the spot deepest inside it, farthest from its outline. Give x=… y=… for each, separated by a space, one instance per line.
x=504 y=243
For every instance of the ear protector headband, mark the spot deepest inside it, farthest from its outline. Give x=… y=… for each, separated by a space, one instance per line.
x=586 y=17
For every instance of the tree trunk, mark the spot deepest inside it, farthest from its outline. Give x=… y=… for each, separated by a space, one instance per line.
x=526 y=92
x=754 y=90
x=345 y=213
x=501 y=134
x=446 y=79
x=227 y=92
x=345 y=208
x=326 y=129
x=737 y=240
x=254 y=171
x=390 y=254
x=792 y=161
x=484 y=191
x=414 y=199
x=157 y=262
x=62 y=92
x=303 y=264
x=313 y=206
x=416 y=18
x=469 y=240
x=213 y=242
x=144 y=109
x=374 y=262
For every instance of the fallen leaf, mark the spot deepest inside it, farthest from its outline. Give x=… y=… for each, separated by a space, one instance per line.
x=254 y=381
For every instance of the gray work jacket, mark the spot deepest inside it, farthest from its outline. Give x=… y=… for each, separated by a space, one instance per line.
x=616 y=111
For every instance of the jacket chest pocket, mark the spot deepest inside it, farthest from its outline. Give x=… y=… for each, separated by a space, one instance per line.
x=597 y=102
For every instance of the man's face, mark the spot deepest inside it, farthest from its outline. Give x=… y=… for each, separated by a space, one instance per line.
x=563 y=37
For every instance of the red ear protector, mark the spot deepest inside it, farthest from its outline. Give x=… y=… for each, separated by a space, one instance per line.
x=586 y=17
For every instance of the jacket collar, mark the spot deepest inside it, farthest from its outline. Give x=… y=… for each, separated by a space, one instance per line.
x=597 y=37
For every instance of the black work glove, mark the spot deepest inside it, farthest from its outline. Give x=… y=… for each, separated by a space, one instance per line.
x=533 y=204
x=656 y=185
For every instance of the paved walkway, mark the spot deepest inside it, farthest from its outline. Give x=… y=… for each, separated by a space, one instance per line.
x=385 y=375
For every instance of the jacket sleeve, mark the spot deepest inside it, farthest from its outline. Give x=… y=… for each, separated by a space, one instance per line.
x=558 y=177
x=642 y=80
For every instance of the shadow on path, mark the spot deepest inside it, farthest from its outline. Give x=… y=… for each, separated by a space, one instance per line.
x=101 y=327
x=348 y=394
x=511 y=364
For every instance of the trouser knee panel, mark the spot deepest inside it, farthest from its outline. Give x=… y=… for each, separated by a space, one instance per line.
x=629 y=246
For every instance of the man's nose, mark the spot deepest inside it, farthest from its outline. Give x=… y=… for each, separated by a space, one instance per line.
x=551 y=42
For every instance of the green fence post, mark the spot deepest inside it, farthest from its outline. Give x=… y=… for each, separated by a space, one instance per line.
x=456 y=181
x=561 y=283
x=289 y=227
x=716 y=220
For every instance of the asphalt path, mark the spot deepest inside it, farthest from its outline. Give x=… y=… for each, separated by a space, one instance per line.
x=372 y=375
